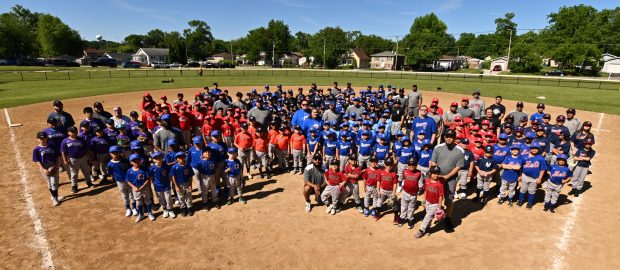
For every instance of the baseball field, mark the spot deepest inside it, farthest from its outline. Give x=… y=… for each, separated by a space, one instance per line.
x=89 y=230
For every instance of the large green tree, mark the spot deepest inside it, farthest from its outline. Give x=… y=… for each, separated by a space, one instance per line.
x=57 y=38
x=336 y=45
x=198 y=39
x=427 y=40
x=372 y=44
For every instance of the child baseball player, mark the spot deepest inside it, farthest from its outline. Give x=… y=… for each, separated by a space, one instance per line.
x=371 y=176
x=99 y=145
x=207 y=168
x=234 y=170
x=352 y=172
x=365 y=146
x=261 y=151
x=335 y=181
x=583 y=157
x=182 y=173
x=409 y=193
x=117 y=167
x=244 y=141
x=486 y=168
x=345 y=149
x=159 y=173
x=534 y=168
x=512 y=171
x=47 y=159
x=138 y=180
x=283 y=149
x=424 y=162
x=387 y=189
x=559 y=174
x=75 y=152
x=466 y=171
x=434 y=200
x=298 y=144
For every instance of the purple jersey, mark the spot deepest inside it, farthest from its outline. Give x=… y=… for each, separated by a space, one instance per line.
x=99 y=145
x=93 y=124
x=111 y=134
x=55 y=137
x=44 y=154
x=73 y=148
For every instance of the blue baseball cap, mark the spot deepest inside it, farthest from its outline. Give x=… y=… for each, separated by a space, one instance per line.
x=215 y=133
x=179 y=154
x=515 y=146
x=562 y=156
x=381 y=136
x=420 y=131
x=331 y=132
x=157 y=154
x=165 y=117
x=503 y=136
x=365 y=132
x=353 y=115
x=405 y=139
x=136 y=145
x=115 y=148
x=344 y=134
x=333 y=123
x=345 y=116
x=232 y=150
x=133 y=157
x=534 y=145
x=197 y=140
x=399 y=133
x=530 y=135
x=519 y=129
x=313 y=130
x=172 y=142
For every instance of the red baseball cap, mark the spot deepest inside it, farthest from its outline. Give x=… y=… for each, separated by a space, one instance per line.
x=164 y=97
x=458 y=118
x=475 y=127
x=454 y=104
x=465 y=99
x=435 y=100
x=486 y=122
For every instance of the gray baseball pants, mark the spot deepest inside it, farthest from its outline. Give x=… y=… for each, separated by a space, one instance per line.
x=235 y=185
x=76 y=165
x=207 y=184
x=370 y=196
x=431 y=209
x=579 y=177
x=528 y=184
x=407 y=205
x=164 y=198
x=332 y=192
x=552 y=192
x=184 y=195
x=507 y=189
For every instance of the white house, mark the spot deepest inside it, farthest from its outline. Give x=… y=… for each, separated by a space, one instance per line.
x=611 y=63
x=387 y=60
x=502 y=62
x=120 y=57
x=147 y=56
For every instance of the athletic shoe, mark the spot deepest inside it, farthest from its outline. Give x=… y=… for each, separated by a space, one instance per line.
x=190 y=212
x=229 y=202
x=74 y=189
x=462 y=195
x=165 y=215
x=55 y=201
x=528 y=207
x=205 y=207
x=90 y=185
x=333 y=211
x=510 y=203
x=576 y=193
x=501 y=200
x=421 y=191
x=375 y=215
x=217 y=205
x=151 y=217
x=396 y=221
x=571 y=192
x=419 y=234
x=410 y=224
x=366 y=212
x=328 y=209
x=338 y=208
x=552 y=209
x=242 y=200
x=360 y=209
x=134 y=212
x=171 y=214
x=176 y=202
x=184 y=212
x=139 y=218
x=520 y=203
x=128 y=212
x=308 y=207
x=546 y=208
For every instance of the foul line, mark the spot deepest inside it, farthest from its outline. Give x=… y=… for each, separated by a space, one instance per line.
x=39 y=232
x=558 y=260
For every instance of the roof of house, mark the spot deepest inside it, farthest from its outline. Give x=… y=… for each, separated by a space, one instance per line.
x=155 y=51
x=386 y=53
x=361 y=54
x=449 y=57
x=119 y=55
x=94 y=52
x=503 y=58
x=224 y=55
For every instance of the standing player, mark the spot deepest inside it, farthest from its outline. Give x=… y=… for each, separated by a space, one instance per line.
x=511 y=173
x=410 y=189
x=465 y=172
x=352 y=172
x=244 y=141
x=75 y=153
x=47 y=159
x=485 y=168
x=583 y=157
x=387 y=190
x=234 y=171
x=434 y=199
x=182 y=173
x=559 y=174
x=534 y=168
x=138 y=179
x=159 y=174
x=117 y=168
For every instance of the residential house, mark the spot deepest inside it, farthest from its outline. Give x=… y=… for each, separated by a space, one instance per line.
x=448 y=62
x=473 y=63
x=611 y=63
x=120 y=57
x=89 y=55
x=502 y=62
x=218 y=57
x=263 y=59
x=290 y=59
x=357 y=58
x=387 y=60
x=147 y=56
x=547 y=62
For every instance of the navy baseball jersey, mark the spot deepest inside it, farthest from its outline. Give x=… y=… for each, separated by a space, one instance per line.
x=182 y=174
x=584 y=153
x=218 y=151
x=206 y=166
x=469 y=158
x=55 y=136
x=486 y=164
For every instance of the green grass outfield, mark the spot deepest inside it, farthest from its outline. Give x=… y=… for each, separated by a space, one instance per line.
x=584 y=95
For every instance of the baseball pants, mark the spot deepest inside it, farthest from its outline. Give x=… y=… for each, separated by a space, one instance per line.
x=507 y=189
x=400 y=168
x=343 y=162
x=579 y=177
x=462 y=178
x=430 y=209
x=187 y=136
x=424 y=171
x=363 y=161
x=228 y=140
x=351 y=189
x=126 y=193
x=184 y=195
x=164 y=198
x=101 y=165
x=482 y=182
x=262 y=159
x=52 y=180
x=271 y=150
x=207 y=183
x=528 y=184
x=198 y=177
x=245 y=157
x=415 y=110
x=235 y=185
x=328 y=160
x=552 y=192
x=370 y=196
x=76 y=165
x=383 y=196
x=296 y=153
x=281 y=156
x=407 y=205
x=143 y=197
x=332 y=192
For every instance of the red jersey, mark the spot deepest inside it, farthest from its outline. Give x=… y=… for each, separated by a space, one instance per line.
x=298 y=141
x=388 y=179
x=244 y=140
x=282 y=142
x=334 y=178
x=206 y=128
x=198 y=119
x=227 y=130
x=185 y=120
x=371 y=176
x=352 y=170
x=149 y=118
x=410 y=181
x=434 y=191
x=272 y=135
x=478 y=152
x=261 y=144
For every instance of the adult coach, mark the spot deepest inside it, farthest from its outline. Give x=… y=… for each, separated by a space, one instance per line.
x=314 y=181
x=449 y=158
x=65 y=119
x=477 y=105
x=118 y=118
x=414 y=99
x=260 y=113
x=302 y=114
x=424 y=123
x=498 y=109
x=165 y=133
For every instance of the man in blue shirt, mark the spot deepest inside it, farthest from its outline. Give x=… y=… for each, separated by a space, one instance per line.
x=423 y=122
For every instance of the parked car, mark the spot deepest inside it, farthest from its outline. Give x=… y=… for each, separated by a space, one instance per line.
x=129 y=64
x=497 y=68
x=175 y=65
x=104 y=62
x=32 y=62
x=63 y=63
x=210 y=65
x=555 y=72
x=193 y=64
x=157 y=64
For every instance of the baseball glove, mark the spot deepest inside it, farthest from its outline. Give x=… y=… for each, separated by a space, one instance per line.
x=439 y=215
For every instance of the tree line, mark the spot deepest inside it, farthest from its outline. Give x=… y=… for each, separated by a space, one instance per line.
x=575 y=36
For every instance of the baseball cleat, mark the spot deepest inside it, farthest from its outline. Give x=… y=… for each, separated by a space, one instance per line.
x=55 y=201
x=151 y=217
x=183 y=212
x=134 y=211
x=242 y=200
x=333 y=211
x=128 y=213
x=366 y=212
x=139 y=218
x=551 y=209
x=500 y=201
x=528 y=206
x=360 y=209
x=74 y=189
x=190 y=212
x=308 y=207
x=419 y=234
x=165 y=215
x=520 y=203
x=410 y=224
x=576 y=193
x=229 y=202
x=171 y=214
x=510 y=203
x=328 y=209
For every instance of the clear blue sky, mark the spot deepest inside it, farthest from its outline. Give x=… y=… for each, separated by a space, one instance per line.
x=230 y=19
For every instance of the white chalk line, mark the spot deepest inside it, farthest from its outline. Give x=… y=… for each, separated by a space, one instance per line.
x=39 y=233
x=562 y=245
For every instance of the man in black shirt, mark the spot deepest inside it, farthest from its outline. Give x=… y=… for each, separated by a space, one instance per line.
x=498 y=109
x=397 y=117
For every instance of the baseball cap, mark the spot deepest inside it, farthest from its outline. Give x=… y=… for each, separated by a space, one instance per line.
x=458 y=118
x=488 y=149
x=172 y=142
x=562 y=156
x=519 y=129
x=485 y=122
x=115 y=148
x=588 y=141
x=450 y=134
x=179 y=154
x=515 y=146
x=523 y=119
x=412 y=162
x=560 y=118
x=136 y=145
x=434 y=170
x=476 y=92
x=133 y=157
x=454 y=104
x=520 y=104
x=540 y=106
x=530 y=135
x=465 y=99
x=503 y=136
x=465 y=141
x=534 y=145
x=57 y=103
x=426 y=142
x=52 y=120
x=165 y=117
x=435 y=100
x=197 y=139
x=215 y=133
x=41 y=135
x=232 y=150
x=475 y=128
x=157 y=154
x=587 y=123
x=546 y=116
x=571 y=110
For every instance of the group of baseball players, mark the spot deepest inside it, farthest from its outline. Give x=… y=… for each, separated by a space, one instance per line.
x=336 y=138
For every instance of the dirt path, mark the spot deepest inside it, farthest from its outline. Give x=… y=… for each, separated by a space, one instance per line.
x=273 y=231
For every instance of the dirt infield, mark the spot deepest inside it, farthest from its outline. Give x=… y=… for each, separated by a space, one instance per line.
x=273 y=231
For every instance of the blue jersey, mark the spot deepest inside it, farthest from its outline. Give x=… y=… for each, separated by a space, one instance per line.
x=313 y=143
x=344 y=148
x=524 y=151
x=558 y=173
x=182 y=174
x=382 y=151
x=517 y=141
x=118 y=169
x=535 y=116
x=396 y=148
x=486 y=164
x=365 y=147
x=425 y=157
x=584 y=153
x=161 y=177
x=417 y=145
x=218 y=151
x=544 y=144
x=310 y=123
x=235 y=167
x=469 y=158
x=500 y=153
x=194 y=156
x=94 y=123
x=406 y=153
x=534 y=165
x=553 y=133
x=136 y=177
x=206 y=167
x=427 y=124
x=169 y=158
x=331 y=147
x=511 y=175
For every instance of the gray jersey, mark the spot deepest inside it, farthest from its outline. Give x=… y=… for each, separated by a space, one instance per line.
x=465 y=112
x=573 y=125
x=447 y=159
x=330 y=115
x=240 y=104
x=261 y=115
x=478 y=106
x=161 y=137
x=449 y=116
x=356 y=110
x=314 y=175
x=517 y=115
x=404 y=100
x=414 y=99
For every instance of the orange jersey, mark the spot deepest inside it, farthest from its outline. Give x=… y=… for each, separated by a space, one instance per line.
x=298 y=141
x=206 y=128
x=260 y=144
x=272 y=135
x=244 y=140
x=282 y=141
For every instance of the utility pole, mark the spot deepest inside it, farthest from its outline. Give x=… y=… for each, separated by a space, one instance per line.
x=323 y=53
x=509 y=45
x=273 y=54
x=232 y=57
x=396 y=55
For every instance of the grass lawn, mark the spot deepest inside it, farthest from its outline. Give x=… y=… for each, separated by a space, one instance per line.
x=15 y=93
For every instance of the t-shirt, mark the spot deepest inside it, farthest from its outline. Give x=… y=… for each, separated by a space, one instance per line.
x=511 y=175
x=161 y=177
x=411 y=180
x=425 y=157
x=118 y=169
x=388 y=179
x=99 y=145
x=486 y=164
x=434 y=191
x=371 y=176
x=498 y=110
x=261 y=144
x=314 y=175
x=427 y=124
x=235 y=167
x=414 y=99
x=46 y=155
x=448 y=159
x=559 y=173
x=182 y=173
x=334 y=178
x=533 y=166
x=297 y=141
x=136 y=177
